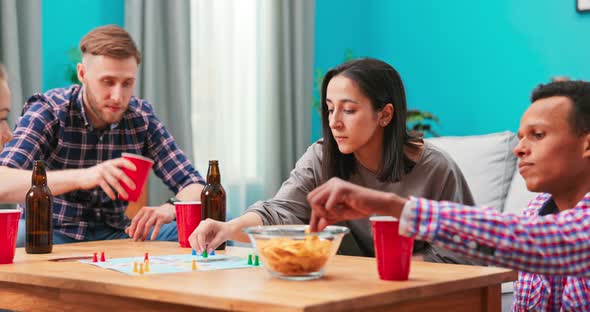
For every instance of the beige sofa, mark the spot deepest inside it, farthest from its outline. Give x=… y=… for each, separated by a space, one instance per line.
x=490 y=168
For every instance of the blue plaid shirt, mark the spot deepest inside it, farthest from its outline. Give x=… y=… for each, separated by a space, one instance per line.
x=53 y=127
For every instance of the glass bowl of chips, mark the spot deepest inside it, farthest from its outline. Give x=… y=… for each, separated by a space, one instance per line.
x=292 y=252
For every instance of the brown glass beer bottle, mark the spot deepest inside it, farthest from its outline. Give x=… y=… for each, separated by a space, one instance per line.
x=213 y=196
x=39 y=209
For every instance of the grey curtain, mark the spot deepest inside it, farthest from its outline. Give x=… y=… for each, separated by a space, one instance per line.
x=161 y=29
x=20 y=51
x=290 y=25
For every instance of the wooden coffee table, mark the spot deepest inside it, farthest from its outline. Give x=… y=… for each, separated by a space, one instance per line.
x=39 y=282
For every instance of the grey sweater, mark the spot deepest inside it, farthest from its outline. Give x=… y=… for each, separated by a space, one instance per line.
x=435 y=176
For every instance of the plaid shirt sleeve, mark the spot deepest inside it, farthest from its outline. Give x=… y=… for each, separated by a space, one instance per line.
x=555 y=244
x=33 y=135
x=170 y=162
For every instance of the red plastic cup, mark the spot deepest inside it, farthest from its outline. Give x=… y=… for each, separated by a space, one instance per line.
x=393 y=251
x=188 y=217
x=139 y=176
x=8 y=233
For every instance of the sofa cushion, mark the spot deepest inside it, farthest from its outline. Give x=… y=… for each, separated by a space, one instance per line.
x=518 y=195
x=487 y=163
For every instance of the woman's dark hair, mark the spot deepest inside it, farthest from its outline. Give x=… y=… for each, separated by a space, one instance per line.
x=382 y=84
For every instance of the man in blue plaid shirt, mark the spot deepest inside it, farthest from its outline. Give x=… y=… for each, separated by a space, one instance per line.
x=80 y=132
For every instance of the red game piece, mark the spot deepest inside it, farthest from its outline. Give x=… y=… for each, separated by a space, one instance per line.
x=146 y=258
x=102 y=259
x=95 y=258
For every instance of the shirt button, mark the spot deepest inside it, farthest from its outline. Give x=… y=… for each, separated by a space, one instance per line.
x=472 y=245
x=457 y=239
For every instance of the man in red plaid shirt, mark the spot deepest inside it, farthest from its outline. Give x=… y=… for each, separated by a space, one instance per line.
x=549 y=243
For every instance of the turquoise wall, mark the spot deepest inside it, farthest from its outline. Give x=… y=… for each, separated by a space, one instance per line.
x=473 y=64
x=64 y=23
x=340 y=26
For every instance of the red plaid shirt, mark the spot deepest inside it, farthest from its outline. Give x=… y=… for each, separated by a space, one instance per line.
x=551 y=250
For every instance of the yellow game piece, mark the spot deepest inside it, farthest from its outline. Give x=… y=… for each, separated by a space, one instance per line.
x=141 y=268
x=147 y=266
x=194 y=265
x=135 y=267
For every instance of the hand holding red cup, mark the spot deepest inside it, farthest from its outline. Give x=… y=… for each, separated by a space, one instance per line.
x=139 y=176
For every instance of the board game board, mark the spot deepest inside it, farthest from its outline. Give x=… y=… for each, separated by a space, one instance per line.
x=173 y=264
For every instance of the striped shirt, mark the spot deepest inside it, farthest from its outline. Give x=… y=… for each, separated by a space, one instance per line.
x=54 y=128
x=551 y=249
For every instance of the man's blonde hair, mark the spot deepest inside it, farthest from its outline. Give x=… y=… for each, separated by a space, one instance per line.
x=110 y=40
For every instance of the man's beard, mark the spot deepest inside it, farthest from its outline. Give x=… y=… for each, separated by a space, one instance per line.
x=93 y=105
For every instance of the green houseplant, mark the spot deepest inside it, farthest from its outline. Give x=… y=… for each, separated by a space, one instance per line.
x=420 y=122
x=75 y=57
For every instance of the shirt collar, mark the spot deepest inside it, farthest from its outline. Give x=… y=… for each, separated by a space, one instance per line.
x=549 y=207
x=80 y=103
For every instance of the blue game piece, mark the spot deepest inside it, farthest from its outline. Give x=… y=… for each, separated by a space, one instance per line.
x=212 y=253
x=194 y=252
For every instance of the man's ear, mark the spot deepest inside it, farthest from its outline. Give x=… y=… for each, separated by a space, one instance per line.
x=81 y=70
x=386 y=115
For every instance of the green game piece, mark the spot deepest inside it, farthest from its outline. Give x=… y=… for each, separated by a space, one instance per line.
x=256 y=263
x=250 y=259
x=204 y=255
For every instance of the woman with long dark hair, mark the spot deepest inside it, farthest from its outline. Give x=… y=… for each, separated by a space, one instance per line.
x=365 y=141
